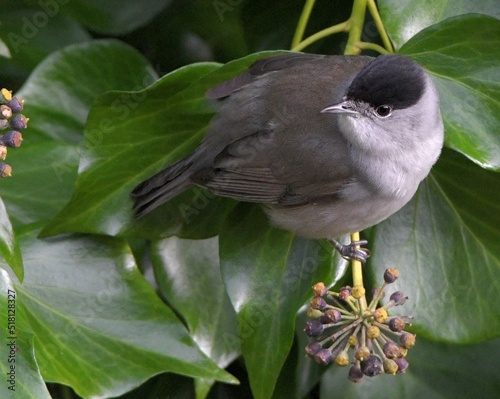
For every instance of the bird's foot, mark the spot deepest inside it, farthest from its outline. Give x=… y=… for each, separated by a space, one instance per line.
x=351 y=251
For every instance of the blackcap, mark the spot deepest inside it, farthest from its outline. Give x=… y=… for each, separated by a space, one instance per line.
x=329 y=145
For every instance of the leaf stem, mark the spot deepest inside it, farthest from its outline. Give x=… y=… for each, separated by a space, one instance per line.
x=356 y=21
x=372 y=8
x=342 y=27
x=301 y=26
x=372 y=46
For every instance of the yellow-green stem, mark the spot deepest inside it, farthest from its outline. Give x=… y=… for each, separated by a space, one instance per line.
x=342 y=27
x=357 y=274
x=372 y=46
x=356 y=21
x=301 y=26
x=372 y=7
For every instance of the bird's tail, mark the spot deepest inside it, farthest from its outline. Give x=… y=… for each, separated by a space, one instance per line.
x=162 y=187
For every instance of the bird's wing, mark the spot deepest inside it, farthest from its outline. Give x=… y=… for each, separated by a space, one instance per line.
x=259 y=68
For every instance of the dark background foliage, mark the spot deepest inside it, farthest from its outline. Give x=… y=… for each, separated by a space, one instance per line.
x=204 y=293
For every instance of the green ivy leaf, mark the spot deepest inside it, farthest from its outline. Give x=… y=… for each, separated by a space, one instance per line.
x=436 y=371
x=31 y=35
x=43 y=180
x=469 y=85
x=21 y=377
x=445 y=243
x=268 y=274
x=100 y=328
x=405 y=18
x=61 y=90
x=9 y=247
x=114 y=17
x=188 y=276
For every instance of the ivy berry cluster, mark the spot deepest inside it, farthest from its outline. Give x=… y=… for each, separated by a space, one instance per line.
x=11 y=121
x=347 y=333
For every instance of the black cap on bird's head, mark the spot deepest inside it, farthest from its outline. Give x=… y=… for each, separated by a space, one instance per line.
x=393 y=80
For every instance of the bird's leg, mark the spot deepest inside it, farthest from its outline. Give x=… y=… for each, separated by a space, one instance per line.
x=351 y=251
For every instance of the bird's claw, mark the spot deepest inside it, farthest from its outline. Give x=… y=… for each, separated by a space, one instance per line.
x=351 y=251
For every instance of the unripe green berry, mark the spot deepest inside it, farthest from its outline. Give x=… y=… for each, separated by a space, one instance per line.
x=362 y=353
x=380 y=315
x=390 y=366
x=358 y=291
x=342 y=359
x=372 y=332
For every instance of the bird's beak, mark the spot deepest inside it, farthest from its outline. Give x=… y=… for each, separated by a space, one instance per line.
x=345 y=107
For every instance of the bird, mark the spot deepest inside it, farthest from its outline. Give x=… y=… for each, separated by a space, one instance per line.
x=327 y=144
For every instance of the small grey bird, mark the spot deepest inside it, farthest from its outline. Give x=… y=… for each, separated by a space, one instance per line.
x=329 y=145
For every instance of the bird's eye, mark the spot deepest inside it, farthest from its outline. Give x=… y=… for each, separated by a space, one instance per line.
x=383 y=110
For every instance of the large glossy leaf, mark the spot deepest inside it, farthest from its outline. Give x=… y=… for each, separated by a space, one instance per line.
x=445 y=243
x=187 y=270
x=100 y=328
x=147 y=131
x=31 y=34
x=462 y=55
x=21 y=377
x=60 y=91
x=9 y=247
x=405 y=18
x=43 y=179
x=268 y=275
x=436 y=371
x=113 y=17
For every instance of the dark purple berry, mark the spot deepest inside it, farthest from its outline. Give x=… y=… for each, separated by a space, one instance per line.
x=313 y=348
x=402 y=364
x=355 y=374
x=15 y=105
x=318 y=303
x=398 y=298
x=324 y=356
x=11 y=139
x=372 y=366
x=390 y=275
x=313 y=328
x=397 y=324
x=331 y=316
x=18 y=122
x=391 y=350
